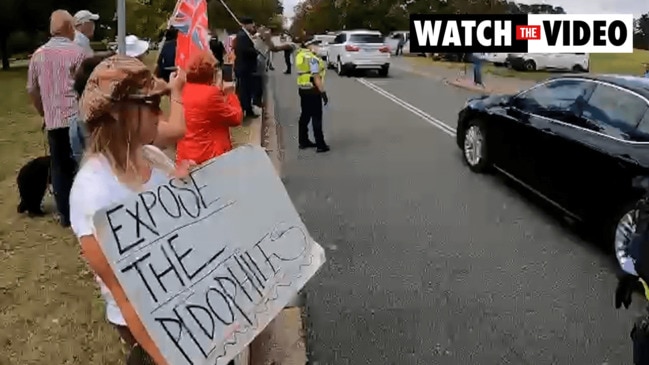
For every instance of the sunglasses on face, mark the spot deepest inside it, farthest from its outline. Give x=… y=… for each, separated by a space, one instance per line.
x=152 y=102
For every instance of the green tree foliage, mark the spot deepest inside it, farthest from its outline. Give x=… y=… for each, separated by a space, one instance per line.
x=263 y=12
x=146 y=18
x=316 y=16
x=641 y=34
x=26 y=22
x=32 y=19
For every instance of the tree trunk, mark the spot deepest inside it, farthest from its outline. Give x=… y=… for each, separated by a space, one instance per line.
x=4 y=51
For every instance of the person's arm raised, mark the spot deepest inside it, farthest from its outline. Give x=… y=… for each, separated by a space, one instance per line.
x=173 y=128
x=225 y=106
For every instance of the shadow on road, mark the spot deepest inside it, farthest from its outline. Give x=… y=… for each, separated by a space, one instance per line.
x=581 y=233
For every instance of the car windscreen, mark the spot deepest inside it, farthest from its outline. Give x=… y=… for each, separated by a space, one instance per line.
x=365 y=38
x=325 y=39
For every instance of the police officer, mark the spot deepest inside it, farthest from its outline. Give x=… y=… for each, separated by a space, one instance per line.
x=310 y=82
x=635 y=272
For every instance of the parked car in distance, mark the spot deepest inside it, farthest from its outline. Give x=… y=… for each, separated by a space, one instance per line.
x=321 y=45
x=578 y=141
x=392 y=41
x=498 y=59
x=575 y=62
x=353 y=50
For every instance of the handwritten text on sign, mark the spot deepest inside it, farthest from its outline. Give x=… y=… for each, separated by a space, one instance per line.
x=207 y=263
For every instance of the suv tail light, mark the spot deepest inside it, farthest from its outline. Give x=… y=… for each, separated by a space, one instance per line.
x=384 y=49
x=350 y=48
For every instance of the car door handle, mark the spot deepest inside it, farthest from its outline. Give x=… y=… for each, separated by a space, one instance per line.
x=624 y=159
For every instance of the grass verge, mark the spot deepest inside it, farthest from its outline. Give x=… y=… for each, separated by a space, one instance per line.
x=602 y=63
x=50 y=307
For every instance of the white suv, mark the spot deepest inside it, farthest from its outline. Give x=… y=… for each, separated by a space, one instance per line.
x=359 y=50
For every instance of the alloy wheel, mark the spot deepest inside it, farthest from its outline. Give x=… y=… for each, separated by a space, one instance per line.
x=473 y=142
x=623 y=231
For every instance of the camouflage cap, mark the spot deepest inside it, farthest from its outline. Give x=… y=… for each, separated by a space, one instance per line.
x=118 y=78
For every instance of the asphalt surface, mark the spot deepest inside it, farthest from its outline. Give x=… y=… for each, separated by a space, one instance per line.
x=429 y=263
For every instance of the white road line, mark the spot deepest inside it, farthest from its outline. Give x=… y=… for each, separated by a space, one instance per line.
x=409 y=107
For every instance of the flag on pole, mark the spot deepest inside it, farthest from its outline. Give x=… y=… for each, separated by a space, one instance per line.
x=190 y=19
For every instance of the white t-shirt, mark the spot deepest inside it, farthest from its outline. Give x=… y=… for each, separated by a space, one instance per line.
x=96 y=187
x=83 y=41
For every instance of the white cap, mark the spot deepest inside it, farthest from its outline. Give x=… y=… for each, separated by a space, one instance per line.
x=84 y=16
x=135 y=47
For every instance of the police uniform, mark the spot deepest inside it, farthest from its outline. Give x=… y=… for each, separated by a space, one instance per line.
x=309 y=65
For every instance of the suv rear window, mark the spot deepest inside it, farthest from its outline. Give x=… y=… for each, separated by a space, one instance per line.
x=365 y=38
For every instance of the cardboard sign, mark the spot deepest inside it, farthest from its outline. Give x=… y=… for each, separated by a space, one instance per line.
x=208 y=262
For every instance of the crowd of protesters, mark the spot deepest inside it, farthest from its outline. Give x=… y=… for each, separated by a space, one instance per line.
x=106 y=131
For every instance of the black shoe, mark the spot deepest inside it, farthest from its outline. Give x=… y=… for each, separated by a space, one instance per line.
x=304 y=146
x=139 y=357
x=63 y=222
x=322 y=149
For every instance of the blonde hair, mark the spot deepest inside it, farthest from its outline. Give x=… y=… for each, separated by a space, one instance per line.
x=118 y=140
x=61 y=23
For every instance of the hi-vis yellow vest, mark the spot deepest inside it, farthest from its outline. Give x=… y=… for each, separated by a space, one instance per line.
x=646 y=289
x=302 y=59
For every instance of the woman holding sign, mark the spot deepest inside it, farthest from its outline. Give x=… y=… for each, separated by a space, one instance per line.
x=121 y=108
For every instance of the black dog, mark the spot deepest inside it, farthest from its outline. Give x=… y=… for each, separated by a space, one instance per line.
x=32 y=180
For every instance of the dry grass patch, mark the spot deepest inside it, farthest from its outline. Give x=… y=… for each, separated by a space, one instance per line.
x=50 y=307
x=601 y=63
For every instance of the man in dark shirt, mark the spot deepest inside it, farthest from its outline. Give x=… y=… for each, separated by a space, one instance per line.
x=217 y=48
x=167 y=57
x=245 y=66
x=287 y=57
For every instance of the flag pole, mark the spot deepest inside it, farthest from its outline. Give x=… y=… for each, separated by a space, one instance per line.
x=164 y=36
x=235 y=18
x=121 y=27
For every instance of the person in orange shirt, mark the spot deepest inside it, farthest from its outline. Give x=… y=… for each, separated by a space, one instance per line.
x=211 y=108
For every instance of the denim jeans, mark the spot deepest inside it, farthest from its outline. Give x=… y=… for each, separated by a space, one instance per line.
x=77 y=138
x=477 y=73
x=63 y=170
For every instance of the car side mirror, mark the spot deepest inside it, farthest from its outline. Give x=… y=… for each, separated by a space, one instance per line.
x=508 y=101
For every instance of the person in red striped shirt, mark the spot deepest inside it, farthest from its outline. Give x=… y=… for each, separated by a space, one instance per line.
x=50 y=87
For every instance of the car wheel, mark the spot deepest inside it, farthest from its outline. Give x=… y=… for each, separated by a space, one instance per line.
x=624 y=228
x=474 y=147
x=330 y=65
x=383 y=72
x=578 y=68
x=339 y=68
x=529 y=65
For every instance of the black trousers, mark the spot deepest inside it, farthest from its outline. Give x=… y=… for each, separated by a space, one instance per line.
x=287 y=60
x=258 y=90
x=62 y=170
x=245 y=86
x=311 y=105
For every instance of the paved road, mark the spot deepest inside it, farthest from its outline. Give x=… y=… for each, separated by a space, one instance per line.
x=427 y=262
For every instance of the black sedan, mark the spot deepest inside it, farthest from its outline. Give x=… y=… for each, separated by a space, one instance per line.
x=578 y=141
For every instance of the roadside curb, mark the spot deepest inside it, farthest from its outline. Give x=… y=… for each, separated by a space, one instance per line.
x=413 y=70
x=463 y=85
x=282 y=341
x=247 y=133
